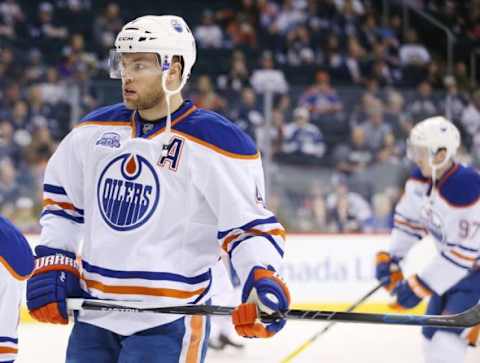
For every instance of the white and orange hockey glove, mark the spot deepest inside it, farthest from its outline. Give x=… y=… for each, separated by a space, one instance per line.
x=264 y=291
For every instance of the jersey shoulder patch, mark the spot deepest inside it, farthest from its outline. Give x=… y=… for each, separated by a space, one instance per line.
x=462 y=187
x=218 y=133
x=15 y=252
x=116 y=113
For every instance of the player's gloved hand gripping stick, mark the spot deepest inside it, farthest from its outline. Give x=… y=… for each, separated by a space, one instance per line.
x=55 y=278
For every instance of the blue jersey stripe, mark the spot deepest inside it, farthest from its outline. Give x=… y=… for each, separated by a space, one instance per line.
x=408 y=232
x=8 y=340
x=61 y=213
x=249 y=225
x=468 y=249
x=54 y=189
x=454 y=262
x=268 y=237
x=146 y=275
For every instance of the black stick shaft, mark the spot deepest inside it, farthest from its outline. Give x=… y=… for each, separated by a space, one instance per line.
x=467 y=319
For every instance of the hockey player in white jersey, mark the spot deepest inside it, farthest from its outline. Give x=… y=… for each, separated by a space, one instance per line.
x=441 y=198
x=16 y=265
x=155 y=187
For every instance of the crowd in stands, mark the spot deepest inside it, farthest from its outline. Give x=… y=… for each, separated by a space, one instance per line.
x=348 y=85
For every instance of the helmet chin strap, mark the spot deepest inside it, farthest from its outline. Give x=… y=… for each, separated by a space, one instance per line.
x=169 y=93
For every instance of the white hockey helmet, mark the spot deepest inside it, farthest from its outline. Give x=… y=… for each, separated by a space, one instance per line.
x=165 y=35
x=431 y=135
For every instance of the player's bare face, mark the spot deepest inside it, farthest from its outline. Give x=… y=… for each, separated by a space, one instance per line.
x=141 y=81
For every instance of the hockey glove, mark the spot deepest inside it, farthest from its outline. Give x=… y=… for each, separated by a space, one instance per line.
x=387 y=269
x=264 y=291
x=410 y=292
x=56 y=276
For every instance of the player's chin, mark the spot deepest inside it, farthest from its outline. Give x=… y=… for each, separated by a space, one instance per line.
x=130 y=104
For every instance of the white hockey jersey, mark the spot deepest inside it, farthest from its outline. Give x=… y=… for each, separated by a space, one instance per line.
x=152 y=226
x=16 y=265
x=450 y=216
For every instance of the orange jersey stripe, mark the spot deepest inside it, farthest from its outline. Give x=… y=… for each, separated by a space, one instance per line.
x=275 y=232
x=216 y=148
x=64 y=205
x=140 y=290
x=462 y=256
x=11 y=270
x=8 y=350
x=196 y=326
x=410 y=225
x=104 y=123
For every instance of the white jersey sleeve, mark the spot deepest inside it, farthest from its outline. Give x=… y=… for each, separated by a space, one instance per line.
x=234 y=188
x=63 y=214
x=16 y=265
x=407 y=226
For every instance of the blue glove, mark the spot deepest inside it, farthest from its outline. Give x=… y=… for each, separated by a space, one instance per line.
x=56 y=276
x=410 y=292
x=388 y=270
x=264 y=291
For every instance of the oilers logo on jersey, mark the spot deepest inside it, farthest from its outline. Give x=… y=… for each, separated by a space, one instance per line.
x=433 y=223
x=128 y=192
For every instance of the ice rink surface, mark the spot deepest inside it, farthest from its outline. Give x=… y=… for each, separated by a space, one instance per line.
x=344 y=343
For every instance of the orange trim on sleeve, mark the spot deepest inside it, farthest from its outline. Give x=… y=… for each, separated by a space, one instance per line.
x=274 y=232
x=8 y=350
x=216 y=148
x=396 y=220
x=104 y=123
x=12 y=271
x=462 y=256
x=472 y=336
x=141 y=290
x=196 y=326
x=64 y=205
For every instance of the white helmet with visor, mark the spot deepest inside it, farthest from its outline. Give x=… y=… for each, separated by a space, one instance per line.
x=430 y=136
x=165 y=35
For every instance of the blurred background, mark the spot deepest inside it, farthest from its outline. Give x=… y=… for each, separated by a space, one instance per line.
x=328 y=89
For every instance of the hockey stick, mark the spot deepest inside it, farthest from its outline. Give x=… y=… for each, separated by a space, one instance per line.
x=327 y=327
x=468 y=318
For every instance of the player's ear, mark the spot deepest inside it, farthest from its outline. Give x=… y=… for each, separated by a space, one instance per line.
x=175 y=71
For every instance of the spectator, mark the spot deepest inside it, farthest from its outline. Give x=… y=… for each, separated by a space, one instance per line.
x=247 y=115
x=471 y=119
x=303 y=142
x=267 y=77
x=455 y=101
x=355 y=156
x=10 y=188
x=382 y=221
x=378 y=133
x=395 y=117
x=106 y=26
x=299 y=48
x=237 y=78
x=208 y=34
x=412 y=52
x=322 y=100
x=206 y=97
x=423 y=104
x=348 y=211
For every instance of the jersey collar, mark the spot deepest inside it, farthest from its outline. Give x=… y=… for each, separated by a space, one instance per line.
x=179 y=115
